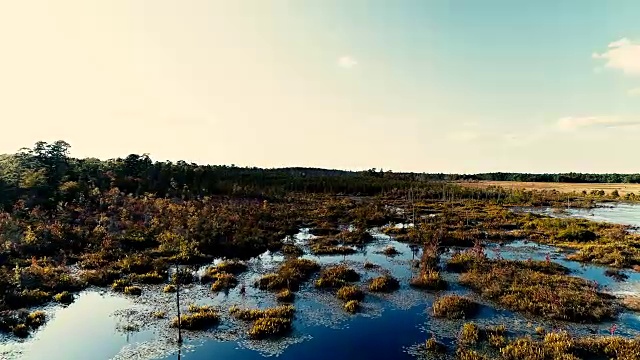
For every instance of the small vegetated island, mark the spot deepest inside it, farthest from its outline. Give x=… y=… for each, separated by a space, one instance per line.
x=67 y=224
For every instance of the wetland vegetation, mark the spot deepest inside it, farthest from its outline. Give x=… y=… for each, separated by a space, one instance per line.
x=286 y=238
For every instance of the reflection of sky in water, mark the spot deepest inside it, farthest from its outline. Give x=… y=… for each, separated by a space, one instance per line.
x=626 y=214
x=390 y=325
x=83 y=328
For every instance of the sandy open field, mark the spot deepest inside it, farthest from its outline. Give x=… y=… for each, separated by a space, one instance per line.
x=562 y=187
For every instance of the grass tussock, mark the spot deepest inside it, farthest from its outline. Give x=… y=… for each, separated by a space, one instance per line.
x=390 y=251
x=429 y=279
x=336 y=276
x=223 y=281
x=350 y=292
x=266 y=323
x=325 y=249
x=21 y=322
x=434 y=346
x=285 y=295
x=152 y=277
x=169 y=288
x=454 y=307
x=352 y=306
x=384 y=284
x=284 y=311
x=64 y=297
x=133 y=290
x=291 y=274
x=269 y=327
x=355 y=237
x=292 y=250
x=197 y=318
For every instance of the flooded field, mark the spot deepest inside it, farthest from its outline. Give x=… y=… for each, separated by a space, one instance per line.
x=101 y=324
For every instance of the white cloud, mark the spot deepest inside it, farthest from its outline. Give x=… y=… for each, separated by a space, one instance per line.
x=622 y=54
x=347 y=61
x=573 y=123
x=634 y=92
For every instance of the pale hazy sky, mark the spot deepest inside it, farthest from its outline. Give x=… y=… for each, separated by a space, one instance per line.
x=434 y=86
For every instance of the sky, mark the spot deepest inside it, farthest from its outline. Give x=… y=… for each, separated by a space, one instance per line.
x=461 y=86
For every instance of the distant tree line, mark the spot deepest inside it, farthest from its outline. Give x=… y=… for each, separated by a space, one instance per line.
x=45 y=175
x=564 y=177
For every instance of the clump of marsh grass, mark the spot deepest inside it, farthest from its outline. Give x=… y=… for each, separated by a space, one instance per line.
x=290 y=275
x=21 y=322
x=350 y=292
x=468 y=354
x=336 y=276
x=324 y=249
x=133 y=290
x=159 y=314
x=169 y=288
x=120 y=284
x=223 y=281
x=538 y=288
x=289 y=249
x=269 y=327
x=352 y=306
x=356 y=237
x=469 y=334
x=454 y=307
x=285 y=295
x=284 y=311
x=64 y=297
x=390 y=251
x=433 y=345
x=266 y=323
x=198 y=318
x=384 y=283
x=369 y=265
x=429 y=279
x=152 y=277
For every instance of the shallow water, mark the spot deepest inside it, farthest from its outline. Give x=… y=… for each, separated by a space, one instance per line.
x=390 y=326
x=626 y=214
